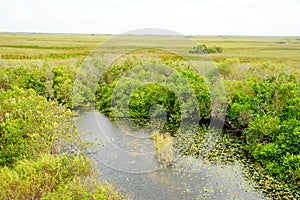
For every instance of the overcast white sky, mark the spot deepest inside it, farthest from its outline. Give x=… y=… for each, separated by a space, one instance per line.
x=200 y=17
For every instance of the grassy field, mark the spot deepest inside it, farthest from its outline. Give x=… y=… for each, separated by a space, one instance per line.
x=28 y=46
x=47 y=46
x=275 y=49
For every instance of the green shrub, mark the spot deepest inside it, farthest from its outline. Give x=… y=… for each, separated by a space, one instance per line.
x=33 y=77
x=202 y=49
x=35 y=134
x=63 y=79
x=30 y=125
x=182 y=92
x=50 y=82
x=53 y=177
x=271 y=131
x=232 y=69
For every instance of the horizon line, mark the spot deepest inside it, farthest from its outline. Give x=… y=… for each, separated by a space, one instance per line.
x=129 y=34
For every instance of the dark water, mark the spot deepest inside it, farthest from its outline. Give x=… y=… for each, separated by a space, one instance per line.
x=129 y=162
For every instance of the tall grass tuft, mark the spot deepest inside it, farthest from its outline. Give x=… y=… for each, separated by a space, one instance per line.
x=163 y=145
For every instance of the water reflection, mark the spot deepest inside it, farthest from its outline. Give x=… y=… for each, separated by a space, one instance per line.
x=130 y=163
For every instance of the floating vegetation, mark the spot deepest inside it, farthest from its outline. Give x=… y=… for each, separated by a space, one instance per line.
x=163 y=145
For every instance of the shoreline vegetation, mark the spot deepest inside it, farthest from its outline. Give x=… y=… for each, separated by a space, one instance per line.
x=39 y=143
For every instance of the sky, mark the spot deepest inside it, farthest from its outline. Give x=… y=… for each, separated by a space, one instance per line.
x=187 y=17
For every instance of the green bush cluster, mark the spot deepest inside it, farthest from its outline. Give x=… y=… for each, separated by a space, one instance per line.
x=63 y=79
x=266 y=112
x=53 y=177
x=69 y=85
x=30 y=125
x=54 y=83
x=35 y=77
x=157 y=83
x=202 y=49
x=39 y=145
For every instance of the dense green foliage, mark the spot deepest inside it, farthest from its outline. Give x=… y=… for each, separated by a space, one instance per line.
x=40 y=151
x=268 y=118
x=53 y=177
x=202 y=49
x=39 y=145
x=54 y=83
x=34 y=77
x=183 y=94
x=63 y=79
x=31 y=125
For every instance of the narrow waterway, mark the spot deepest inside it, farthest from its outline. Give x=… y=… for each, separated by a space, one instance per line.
x=129 y=162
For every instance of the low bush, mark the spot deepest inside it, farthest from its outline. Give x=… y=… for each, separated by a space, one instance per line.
x=40 y=151
x=131 y=91
x=54 y=177
x=203 y=49
x=54 y=83
x=268 y=121
x=30 y=125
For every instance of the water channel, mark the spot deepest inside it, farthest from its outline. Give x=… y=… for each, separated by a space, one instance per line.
x=130 y=163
